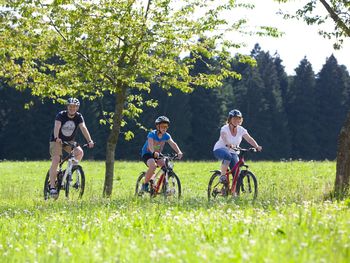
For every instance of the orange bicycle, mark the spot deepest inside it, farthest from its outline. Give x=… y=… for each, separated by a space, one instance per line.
x=244 y=183
x=165 y=182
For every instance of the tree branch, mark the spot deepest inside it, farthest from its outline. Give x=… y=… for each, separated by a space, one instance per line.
x=336 y=18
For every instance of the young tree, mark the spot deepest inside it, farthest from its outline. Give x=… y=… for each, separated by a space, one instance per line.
x=112 y=47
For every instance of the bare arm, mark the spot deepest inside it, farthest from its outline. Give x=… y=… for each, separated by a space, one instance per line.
x=252 y=142
x=56 y=131
x=86 y=134
x=175 y=147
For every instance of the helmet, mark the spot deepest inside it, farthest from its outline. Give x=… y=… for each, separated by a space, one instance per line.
x=73 y=101
x=162 y=119
x=235 y=113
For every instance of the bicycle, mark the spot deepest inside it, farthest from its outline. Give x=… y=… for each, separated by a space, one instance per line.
x=165 y=182
x=71 y=179
x=244 y=183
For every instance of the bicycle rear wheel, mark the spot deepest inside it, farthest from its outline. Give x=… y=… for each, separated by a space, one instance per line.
x=75 y=184
x=247 y=186
x=216 y=189
x=172 y=190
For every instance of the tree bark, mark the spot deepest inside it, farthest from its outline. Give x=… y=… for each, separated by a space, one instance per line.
x=341 y=186
x=112 y=142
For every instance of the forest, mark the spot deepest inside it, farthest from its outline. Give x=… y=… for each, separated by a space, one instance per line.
x=292 y=117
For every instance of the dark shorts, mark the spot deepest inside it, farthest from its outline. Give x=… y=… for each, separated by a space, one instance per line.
x=146 y=157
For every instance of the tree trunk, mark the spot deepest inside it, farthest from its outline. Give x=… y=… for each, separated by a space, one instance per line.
x=343 y=160
x=112 y=142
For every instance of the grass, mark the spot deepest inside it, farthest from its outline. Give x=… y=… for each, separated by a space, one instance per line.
x=290 y=222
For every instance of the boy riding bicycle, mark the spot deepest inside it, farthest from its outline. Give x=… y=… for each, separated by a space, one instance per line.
x=231 y=135
x=153 y=147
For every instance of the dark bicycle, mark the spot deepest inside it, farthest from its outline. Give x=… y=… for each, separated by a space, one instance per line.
x=165 y=182
x=244 y=183
x=71 y=179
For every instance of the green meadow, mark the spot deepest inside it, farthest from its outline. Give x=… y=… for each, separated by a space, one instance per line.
x=293 y=220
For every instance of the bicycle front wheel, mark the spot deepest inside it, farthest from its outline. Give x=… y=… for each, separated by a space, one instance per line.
x=75 y=184
x=140 y=181
x=47 y=186
x=172 y=190
x=216 y=189
x=247 y=186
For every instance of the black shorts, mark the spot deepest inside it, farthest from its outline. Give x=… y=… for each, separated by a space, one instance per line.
x=146 y=157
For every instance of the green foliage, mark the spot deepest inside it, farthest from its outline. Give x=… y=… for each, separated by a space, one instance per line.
x=289 y=222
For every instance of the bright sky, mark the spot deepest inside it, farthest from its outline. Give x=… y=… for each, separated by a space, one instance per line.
x=300 y=40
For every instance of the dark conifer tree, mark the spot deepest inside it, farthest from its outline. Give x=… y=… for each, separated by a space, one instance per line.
x=331 y=90
x=302 y=119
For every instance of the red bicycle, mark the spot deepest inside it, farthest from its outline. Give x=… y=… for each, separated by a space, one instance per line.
x=244 y=183
x=164 y=182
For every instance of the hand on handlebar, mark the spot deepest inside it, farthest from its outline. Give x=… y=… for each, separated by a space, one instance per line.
x=179 y=155
x=91 y=144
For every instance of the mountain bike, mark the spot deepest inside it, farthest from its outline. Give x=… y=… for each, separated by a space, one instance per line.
x=71 y=179
x=165 y=182
x=244 y=183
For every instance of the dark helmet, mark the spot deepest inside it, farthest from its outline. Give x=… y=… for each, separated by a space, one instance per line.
x=162 y=119
x=73 y=101
x=235 y=113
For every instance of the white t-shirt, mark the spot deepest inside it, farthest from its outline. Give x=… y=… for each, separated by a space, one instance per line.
x=235 y=140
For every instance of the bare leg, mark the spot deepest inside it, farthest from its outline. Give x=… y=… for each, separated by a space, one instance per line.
x=152 y=166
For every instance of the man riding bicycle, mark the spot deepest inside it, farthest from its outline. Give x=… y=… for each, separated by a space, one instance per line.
x=154 y=145
x=231 y=135
x=65 y=129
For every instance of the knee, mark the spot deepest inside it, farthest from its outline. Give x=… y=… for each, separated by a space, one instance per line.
x=152 y=166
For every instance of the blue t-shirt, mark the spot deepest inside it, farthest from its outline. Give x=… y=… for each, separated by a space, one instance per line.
x=158 y=143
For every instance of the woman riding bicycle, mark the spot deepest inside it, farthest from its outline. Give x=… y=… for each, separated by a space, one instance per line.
x=154 y=145
x=231 y=135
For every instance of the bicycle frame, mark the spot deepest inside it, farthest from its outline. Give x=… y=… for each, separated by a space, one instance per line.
x=163 y=179
x=70 y=158
x=235 y=172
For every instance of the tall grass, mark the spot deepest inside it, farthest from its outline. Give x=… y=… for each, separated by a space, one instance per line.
x=290 y=222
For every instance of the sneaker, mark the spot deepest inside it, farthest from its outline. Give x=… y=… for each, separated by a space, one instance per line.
x=53 y=193
x=145 y=187
x=223 y=179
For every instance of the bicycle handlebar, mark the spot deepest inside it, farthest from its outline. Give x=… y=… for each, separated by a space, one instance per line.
x=75 y=144
x=252 y=149
x=172 y=156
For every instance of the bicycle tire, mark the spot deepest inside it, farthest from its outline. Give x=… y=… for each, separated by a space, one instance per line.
x=76 y=187
x=247 y=186
x=173 y=187
x=139 y=182
x=47 y=186
x=215 y=188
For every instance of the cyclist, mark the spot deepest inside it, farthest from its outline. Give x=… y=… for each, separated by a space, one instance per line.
x=65 y=129
x=231 y=135
x=154 y=145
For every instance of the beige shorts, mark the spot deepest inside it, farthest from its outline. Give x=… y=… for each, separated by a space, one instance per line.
x=56 y=149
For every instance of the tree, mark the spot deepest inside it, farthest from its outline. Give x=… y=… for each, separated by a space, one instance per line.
x=338 y=11
x=301 y=112
x=112 y=47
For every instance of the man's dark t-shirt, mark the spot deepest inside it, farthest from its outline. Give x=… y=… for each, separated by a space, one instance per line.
x=69 y=126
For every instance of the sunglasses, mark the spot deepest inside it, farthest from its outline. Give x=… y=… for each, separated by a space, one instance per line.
x=164 y=126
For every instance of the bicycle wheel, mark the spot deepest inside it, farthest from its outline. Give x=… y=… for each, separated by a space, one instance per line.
x=247 y=186
x=140 y=181
x=216 y=189
x=172 y=190
x=47 y=185
x=75 y=185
